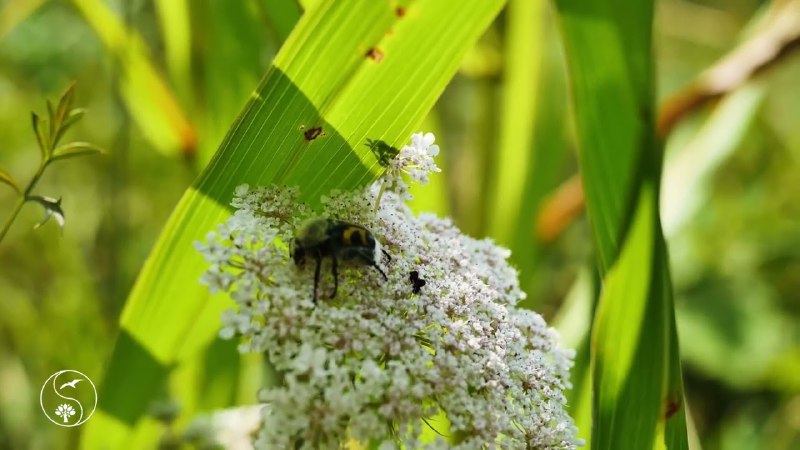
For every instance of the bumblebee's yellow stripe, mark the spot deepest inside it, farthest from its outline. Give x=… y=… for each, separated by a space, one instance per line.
x=361 y=236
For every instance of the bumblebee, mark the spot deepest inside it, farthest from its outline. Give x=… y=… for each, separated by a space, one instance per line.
x=319 y=238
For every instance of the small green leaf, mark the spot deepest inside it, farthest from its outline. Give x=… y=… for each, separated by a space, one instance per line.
x=64 y=105
x=51 y=114
x=52 y=208
x=38 y=129
x=74 y=149
x=6 y=178
x=73 y=116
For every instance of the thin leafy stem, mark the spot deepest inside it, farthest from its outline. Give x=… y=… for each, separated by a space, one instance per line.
x=48 y=133
x=23 y=197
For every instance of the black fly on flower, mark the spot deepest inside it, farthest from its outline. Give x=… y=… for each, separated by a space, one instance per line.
x=388 y=355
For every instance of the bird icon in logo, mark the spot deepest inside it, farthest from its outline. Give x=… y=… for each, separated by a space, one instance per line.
x=71 y=383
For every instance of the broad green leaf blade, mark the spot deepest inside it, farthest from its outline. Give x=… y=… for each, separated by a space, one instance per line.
x=149 y=99
x=608 y=47
x=322 y=77
x=629 y=361
x=6 y=178
x=638 y=398
x=229 y=70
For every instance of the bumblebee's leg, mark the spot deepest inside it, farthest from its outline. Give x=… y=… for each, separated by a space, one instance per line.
x=385 y=278
x=388 y=258
x=335 y=270
x=318 y=257
x=367 y=258
x=372 y=263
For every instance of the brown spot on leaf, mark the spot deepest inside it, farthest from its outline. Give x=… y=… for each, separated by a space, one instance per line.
x=399 y=11
x=313 y=133
x=374 y=54
x=672 y=405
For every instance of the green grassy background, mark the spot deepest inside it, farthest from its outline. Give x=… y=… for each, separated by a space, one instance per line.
x=164 y=80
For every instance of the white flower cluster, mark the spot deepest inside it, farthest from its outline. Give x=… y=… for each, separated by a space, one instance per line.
x=448 y=364
x=415 y=160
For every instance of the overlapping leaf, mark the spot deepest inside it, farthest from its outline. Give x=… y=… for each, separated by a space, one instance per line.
x=638 y=396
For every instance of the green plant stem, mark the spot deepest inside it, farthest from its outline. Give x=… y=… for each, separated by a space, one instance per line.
x=17 y=209
x=380 y=195
x=23 y=197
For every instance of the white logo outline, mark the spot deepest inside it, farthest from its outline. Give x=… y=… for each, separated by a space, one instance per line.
x=81 y=420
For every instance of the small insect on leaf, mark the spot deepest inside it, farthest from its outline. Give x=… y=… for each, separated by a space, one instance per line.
x=313 y=133
x=75 y=149
x=6 y=178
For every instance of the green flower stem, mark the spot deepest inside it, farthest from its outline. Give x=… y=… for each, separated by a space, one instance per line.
x=23 y=197
x=378 y=198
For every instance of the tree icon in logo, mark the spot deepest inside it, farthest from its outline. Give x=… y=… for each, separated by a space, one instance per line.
x=68 y=398
x=65 y=410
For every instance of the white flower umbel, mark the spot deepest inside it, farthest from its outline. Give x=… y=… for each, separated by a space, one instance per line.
x=379 y=363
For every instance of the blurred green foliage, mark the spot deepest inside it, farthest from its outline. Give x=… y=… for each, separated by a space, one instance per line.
x=735 y=260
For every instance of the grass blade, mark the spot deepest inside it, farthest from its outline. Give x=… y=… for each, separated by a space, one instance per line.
x=518 y=116
x=638 y=395
x=151 y=102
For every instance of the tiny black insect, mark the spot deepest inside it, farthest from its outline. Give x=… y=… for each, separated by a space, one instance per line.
x=320 y=238
x=416 y=281
x=313 y=133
